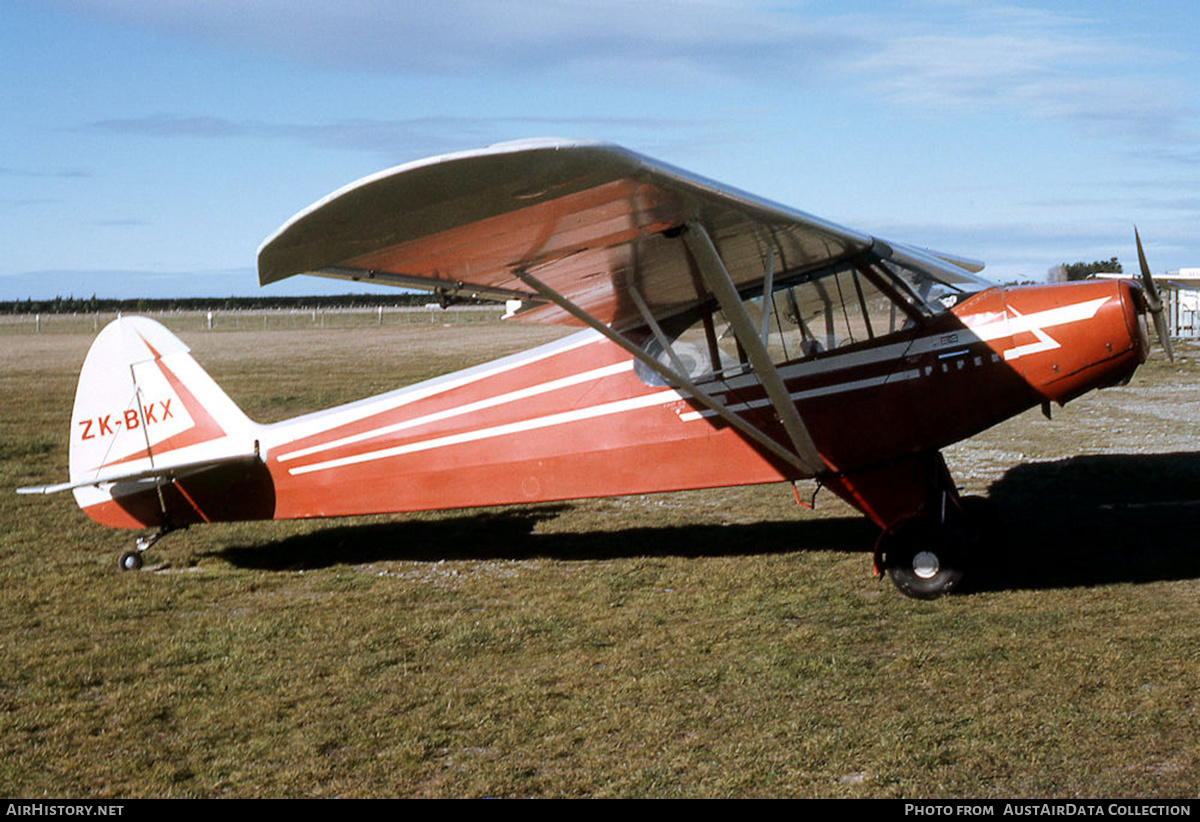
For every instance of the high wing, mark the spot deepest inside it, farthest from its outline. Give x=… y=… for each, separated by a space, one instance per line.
x=591 y=222
x=586 y=233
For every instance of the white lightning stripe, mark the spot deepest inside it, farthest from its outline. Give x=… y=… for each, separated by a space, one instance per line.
x=1045 y=342
x=605 y=409
x=491 y=402
x=1039 y=320
x=853 y=385
x=320 y=421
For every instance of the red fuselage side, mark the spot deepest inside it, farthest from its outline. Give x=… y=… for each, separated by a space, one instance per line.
x=573 y=419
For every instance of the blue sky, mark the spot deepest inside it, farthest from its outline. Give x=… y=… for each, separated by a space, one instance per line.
x=148 y=146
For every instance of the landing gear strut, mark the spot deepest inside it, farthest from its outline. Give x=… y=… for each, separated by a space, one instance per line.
x=132 y=560
x=927 y=536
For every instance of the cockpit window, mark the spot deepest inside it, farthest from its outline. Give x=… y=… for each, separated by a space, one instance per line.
x=804 y=317
x=826 y=311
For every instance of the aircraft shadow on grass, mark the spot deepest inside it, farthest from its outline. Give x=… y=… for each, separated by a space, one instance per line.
x=510 y=534
x=1092 y=520
x=1087 y=520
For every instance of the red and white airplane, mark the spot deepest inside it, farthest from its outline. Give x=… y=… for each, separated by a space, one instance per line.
x=725 y=340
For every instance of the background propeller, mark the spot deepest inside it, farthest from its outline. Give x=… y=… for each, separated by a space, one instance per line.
x=1153 y=300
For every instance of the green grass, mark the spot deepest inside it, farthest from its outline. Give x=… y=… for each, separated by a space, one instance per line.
x=716 y=643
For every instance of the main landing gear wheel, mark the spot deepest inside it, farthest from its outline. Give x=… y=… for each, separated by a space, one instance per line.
x=924 y=559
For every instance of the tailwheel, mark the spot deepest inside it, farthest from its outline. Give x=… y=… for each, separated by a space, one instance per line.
x=924 y=558
x=130 y=561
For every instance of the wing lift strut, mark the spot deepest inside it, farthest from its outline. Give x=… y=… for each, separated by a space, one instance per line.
x=803 y=452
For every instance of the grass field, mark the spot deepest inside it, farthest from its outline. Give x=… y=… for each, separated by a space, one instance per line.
x=717 y=643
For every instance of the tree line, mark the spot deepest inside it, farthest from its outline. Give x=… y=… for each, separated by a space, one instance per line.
x=1082 y=270
x=94 y=304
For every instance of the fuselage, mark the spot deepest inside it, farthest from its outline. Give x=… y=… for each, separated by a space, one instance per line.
x=577 y=419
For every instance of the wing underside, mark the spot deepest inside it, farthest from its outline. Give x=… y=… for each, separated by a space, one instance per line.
x=589 y=220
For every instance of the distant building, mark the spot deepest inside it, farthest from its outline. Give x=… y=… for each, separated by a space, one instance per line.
x=1181 y=293
x=1180 y=290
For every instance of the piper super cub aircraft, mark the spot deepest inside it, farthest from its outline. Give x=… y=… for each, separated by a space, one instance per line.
x=726 y=341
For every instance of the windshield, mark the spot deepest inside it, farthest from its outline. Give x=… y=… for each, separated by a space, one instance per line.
x=934 y=294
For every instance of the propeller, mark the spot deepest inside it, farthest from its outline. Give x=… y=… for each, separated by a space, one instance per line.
x=1153 y=300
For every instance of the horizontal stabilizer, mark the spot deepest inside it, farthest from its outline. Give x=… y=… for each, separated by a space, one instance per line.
x=113 y=476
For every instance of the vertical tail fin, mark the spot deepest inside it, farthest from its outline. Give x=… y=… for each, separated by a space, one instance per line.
x=145 y=409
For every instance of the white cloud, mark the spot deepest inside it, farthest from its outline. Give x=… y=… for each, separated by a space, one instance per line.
x=391 y=138
x=1050 y=66
x=934 y=56
x=630 y=37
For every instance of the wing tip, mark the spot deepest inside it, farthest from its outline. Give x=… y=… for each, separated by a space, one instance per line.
x=279 y=260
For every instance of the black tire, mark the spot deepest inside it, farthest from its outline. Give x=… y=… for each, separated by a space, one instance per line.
x=130 y=561
x=924 y=559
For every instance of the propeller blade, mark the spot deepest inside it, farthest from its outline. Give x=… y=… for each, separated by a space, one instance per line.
x=1151 y=290
x=1164 y=334
x=1153 y=300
